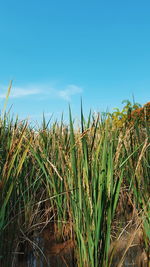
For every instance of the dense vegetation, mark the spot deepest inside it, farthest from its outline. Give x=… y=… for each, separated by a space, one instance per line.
x=82 y=181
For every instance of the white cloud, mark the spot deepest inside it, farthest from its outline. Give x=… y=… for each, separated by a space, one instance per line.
x=2 y=95
x=17 y=92
x=69 y=91
x=43 y=90
x=21 y=92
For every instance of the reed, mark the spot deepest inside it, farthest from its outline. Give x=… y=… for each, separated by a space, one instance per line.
x=72 y=180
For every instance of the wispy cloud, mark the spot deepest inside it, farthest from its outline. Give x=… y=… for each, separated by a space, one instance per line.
x=43 y=90
x=17 y=92
x=21 y=92
x=69 y=91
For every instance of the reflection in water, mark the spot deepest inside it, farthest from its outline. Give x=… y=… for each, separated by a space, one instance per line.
x=46 y=252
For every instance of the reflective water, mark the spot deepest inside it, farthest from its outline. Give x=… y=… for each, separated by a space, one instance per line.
x=47 y=252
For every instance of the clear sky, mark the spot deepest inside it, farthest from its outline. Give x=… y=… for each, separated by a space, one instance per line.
x=56 y=51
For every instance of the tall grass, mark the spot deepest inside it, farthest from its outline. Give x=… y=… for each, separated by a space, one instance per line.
x=71 y=180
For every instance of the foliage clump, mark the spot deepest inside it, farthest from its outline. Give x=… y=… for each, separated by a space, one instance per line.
x=141 y=115
x=131 y=114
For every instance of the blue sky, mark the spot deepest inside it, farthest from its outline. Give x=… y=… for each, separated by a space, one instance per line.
x=56 y=51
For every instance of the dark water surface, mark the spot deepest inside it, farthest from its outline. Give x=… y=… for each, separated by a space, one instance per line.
x=47 y=252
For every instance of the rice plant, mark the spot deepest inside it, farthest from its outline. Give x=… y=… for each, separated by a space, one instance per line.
x=74 y=182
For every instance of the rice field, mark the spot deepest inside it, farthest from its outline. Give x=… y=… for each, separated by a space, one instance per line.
x=90 y=186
